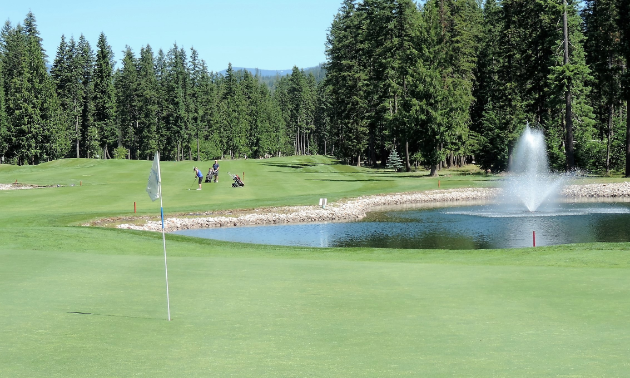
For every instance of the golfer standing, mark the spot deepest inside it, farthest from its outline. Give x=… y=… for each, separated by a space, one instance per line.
x=198 y=175
x=215 y=166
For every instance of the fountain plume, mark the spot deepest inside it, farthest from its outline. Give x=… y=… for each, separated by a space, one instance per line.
x=530 y=183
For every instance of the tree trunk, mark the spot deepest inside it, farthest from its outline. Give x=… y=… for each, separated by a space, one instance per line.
x=358 y=160
x=627 y=139
x=407 y=165
x=76 y=129
x=434 y=169
x=569 y=111
x=610 y=136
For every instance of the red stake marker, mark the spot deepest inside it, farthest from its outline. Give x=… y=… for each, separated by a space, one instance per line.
x=134 y=206
x=534 y=236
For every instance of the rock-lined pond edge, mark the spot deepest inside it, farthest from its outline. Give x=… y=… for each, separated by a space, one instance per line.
x=356 y=208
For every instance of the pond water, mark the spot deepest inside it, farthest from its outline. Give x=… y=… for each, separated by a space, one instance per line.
x=465 y=227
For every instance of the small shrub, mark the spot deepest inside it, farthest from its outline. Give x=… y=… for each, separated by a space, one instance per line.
x=394 y=161
x=121 y=153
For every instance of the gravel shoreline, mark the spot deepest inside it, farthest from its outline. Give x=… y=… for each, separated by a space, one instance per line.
x=16 y=186
x=357 y=208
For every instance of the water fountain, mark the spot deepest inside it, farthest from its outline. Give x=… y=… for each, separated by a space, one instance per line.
x=530 y=184
x=529 y=203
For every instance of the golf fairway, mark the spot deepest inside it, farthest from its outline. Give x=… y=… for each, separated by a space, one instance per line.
x=83 y=301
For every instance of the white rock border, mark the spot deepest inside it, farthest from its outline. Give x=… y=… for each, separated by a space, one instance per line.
x=356 y=208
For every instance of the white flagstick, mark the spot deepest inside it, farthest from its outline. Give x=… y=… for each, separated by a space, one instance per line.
x=168 y=301
x=154 y=188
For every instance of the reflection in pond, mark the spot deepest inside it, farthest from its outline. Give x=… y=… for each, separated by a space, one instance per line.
x=469 y=227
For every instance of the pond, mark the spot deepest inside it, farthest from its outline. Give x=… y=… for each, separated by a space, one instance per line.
x=464 y=227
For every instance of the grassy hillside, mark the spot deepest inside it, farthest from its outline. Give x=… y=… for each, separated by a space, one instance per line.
x=80 y=301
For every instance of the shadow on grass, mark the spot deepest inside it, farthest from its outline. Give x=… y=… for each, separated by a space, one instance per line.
x=297 y=165
x=117 y=316
x=341 y=180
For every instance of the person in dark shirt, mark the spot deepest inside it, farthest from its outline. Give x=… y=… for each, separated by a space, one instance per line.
x=215 y=168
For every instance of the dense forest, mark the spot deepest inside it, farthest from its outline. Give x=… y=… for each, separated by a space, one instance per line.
x=441 y=84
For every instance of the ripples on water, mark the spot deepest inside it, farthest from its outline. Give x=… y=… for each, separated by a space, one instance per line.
x=468 y=227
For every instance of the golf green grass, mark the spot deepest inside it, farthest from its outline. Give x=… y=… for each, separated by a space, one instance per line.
x=91 y=302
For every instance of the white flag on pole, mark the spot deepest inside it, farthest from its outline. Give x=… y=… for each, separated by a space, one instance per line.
x=154 y=186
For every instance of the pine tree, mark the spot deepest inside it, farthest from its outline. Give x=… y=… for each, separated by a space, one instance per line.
x=233 y=113
x=89 y=132
x=67 y=75
x=494 y=116
x=604 y=56
x=323 y=121
x=164 y=141
x=347 y=79
x=104 y=96
x=32 y=111
x=147 y=92
x=4 y=132
x=394 y=162
x=624 y=29
x=176 y=84
x=128 y=103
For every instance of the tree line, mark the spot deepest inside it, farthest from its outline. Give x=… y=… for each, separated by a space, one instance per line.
x=454 y=81
x=169 y=101
x=445 y=83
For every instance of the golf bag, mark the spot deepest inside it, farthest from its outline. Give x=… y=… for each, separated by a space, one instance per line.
x=211 y=175
x=237 y=181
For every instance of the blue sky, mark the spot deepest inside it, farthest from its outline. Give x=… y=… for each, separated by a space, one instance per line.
x=271 y=34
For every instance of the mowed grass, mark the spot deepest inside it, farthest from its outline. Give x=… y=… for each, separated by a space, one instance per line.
x=79 y=301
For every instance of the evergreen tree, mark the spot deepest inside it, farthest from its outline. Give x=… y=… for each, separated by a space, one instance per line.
x=196 y=108
x=207 y=99
x=164 y=141
x=323 y=121
x=67 y=75
x=233 y=114
x=89 y=132
x=495 y=114
x=604 y=56
x=348 y=83
x=128 y=104
x=4 y=132
x=176 y=105
x=34 y=132
x=394 y=162
x=104 y=97
x=624 y=32
x=147 y=92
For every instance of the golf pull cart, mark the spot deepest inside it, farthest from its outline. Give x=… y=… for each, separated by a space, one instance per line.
x=211 y=176
x=237 y=181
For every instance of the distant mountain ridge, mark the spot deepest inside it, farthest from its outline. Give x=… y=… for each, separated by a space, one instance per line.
x=272 y=73
x=271 y=77
x=261 y=72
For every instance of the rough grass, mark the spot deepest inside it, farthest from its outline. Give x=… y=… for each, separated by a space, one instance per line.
x=82 y=301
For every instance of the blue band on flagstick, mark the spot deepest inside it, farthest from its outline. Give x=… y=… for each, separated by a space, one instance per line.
x=162 y=213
